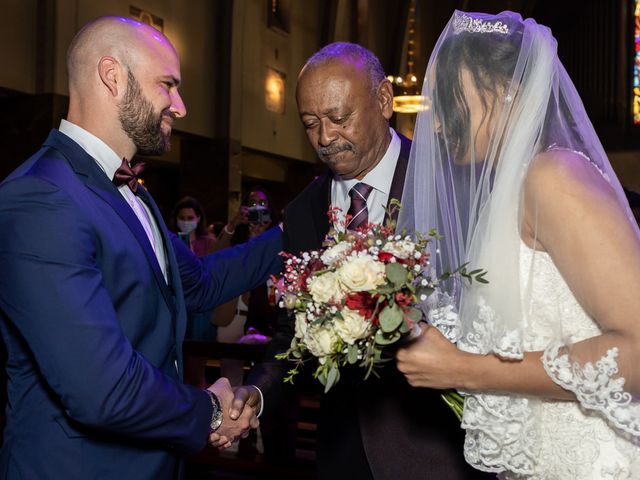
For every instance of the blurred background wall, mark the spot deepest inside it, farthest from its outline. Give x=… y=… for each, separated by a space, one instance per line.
x=240 y=60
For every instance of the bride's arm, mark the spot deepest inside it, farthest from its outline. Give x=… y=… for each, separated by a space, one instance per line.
x=575 y=217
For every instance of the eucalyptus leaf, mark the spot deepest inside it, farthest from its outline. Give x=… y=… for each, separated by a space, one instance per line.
x=404 y=327
x=332 y=378
x=321 y=374
x=352 y=354
x=386 y=339
x=385 y=289
x=397 y=273
x=414 y=314
x=390 y=318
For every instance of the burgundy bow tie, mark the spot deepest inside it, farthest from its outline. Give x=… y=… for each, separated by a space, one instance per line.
x=128 y=175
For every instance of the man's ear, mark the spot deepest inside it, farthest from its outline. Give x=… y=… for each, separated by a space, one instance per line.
x=111 y=75
x=385 y=98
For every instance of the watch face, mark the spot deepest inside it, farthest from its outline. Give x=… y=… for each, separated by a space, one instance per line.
x=216 y=416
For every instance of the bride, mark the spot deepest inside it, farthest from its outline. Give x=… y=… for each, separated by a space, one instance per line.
x=508 y=168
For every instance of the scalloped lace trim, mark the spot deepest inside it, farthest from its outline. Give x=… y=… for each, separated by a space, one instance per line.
x=595 y=387
x=486 y=336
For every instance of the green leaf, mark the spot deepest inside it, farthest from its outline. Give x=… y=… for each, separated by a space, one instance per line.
x=352 y=354
x=404 y=327
x=424 y=291
x=383 y=338
x=480 y=278
x=332 y=378
x=385 y=289
x=396 y=273
x=390 y=318
x=415 y=314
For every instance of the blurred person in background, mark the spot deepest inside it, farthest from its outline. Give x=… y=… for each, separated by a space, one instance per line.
x=251 y=319
x=190 y=223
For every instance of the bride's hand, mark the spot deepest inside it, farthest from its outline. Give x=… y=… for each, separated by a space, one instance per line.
x=431 y=361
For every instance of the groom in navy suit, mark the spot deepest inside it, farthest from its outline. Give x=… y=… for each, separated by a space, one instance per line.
x=94 y=289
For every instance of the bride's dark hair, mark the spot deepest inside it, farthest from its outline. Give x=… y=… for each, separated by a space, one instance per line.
x=491 y=62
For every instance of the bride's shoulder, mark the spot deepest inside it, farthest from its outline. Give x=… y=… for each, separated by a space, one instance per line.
x=562 y=172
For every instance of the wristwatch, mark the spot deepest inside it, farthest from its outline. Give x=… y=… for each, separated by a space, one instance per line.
x=216 y=416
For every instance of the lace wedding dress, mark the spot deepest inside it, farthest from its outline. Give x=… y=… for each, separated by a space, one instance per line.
x=542 y=439
x=499 y=100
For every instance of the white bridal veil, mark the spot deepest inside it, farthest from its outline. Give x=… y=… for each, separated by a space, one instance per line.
x=473 y=196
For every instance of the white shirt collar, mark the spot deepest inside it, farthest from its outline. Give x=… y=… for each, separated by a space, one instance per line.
x=381 y=177
x=104 y=156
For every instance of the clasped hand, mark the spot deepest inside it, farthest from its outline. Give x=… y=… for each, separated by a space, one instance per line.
x=240 y=406
x=431 y=361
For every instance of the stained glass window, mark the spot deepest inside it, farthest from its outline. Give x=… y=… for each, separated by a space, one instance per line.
x=636 y=67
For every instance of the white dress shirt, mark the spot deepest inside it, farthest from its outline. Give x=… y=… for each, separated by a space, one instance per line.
x=109 y=162
x=380 y=178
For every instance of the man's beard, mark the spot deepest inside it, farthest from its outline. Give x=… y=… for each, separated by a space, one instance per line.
x=141 y=123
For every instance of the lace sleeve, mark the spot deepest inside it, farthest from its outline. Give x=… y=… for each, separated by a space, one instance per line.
x=595 y=387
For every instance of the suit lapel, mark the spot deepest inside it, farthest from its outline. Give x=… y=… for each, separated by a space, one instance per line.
x=397 y=184
x=319 y=207
x=173 y=274
x=90 y=173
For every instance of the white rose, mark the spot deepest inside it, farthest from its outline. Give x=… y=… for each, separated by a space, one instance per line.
x=320 y=341
x=325 y=287
x=401 y=248
x=352 y=327
x=301 y=325
x=335 y=254
x=360 y=274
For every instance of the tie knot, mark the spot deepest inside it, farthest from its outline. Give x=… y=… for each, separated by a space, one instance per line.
x=360 y=190
x=128 y=175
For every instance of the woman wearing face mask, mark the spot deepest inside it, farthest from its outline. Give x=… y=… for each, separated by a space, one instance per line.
x=190 y=220
x=190 y=223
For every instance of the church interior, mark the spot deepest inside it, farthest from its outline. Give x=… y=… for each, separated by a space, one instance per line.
x=240 y=60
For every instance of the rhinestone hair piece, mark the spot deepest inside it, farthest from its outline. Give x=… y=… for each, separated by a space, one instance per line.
x=465 y=23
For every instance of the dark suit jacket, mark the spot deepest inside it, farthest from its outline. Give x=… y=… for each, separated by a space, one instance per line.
x=380 y=427
x=93 y=330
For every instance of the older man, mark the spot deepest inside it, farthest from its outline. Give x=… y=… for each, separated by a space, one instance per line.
x=94 y=289
x=379 y=428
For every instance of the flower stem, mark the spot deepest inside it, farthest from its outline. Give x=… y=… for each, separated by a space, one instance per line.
x=455 y=401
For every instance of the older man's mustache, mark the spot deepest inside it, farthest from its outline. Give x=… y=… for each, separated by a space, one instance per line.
x=333 y=149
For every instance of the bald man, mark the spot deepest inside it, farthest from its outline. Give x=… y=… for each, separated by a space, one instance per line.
x=94 y=289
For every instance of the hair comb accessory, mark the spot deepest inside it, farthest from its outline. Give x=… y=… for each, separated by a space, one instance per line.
x=465 y=23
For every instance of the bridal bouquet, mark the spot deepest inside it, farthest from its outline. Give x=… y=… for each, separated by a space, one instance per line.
x=356 y=297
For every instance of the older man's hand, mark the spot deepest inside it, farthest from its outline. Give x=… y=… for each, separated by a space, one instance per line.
x=239 y=409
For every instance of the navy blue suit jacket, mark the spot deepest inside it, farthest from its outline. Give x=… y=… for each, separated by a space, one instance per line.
x=92 y=329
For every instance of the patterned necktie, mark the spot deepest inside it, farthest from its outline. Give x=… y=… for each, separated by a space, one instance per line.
x=128 y=175
x=358 y=208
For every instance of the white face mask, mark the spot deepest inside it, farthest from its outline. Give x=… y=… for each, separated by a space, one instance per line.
x=187 y=226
